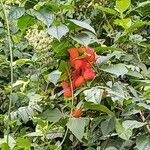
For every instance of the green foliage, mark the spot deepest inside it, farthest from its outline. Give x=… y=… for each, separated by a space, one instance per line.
x=115 y=104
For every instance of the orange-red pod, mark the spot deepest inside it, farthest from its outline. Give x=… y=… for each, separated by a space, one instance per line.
x=77 y=113
x=91 y=55
x=67 y=92
x=89 y=74
x=79 y=81
x=73 y=52
x=65 y=84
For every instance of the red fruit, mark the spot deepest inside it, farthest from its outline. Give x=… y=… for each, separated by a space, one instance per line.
x=67 y=92
x=79 y=81
x=89 y=74
x=77 y=63
x=65 y=85
x=73 y=52
x=91 y=55
x=77 y=113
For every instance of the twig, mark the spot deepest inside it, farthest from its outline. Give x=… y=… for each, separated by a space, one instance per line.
x=11 y=66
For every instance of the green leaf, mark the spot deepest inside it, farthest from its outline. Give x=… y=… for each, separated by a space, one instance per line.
x=119 y=69
x=45 y=16
x=53 y=77
x=106 y=10
x=143 y=142
x=122 y=132
x=108 y=125
x=52 y=115
x=16 y=12
x=111 y=148
x=23 y=143
x=146 y=106
x=5 y=146
x=123 y=5
x=25 y=21
x=93 y=95
x=76 y=126
x=98 y=107
x=83 y=25
x=132 y=124
x=84 y=38
x=125 y=23
x=22 y=62
x=58 y=31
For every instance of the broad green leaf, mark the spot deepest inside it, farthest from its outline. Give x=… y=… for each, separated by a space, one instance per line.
x=76 y=126
x=132 y=124
x=111 y=148
x=25 y=21
x=5 y=146
x=122 y=132
x=52 y=115
x=93 y=95
x=21 y=62
x=11 y=143
x=146 y=106
x=108 y=125
x=84 y=38
x=106 y=10
x=125 y=23
x=98 y=107
x=58 y=31
x=53 y=77
x=45 y=16
x=135 y=26
x=64 y=66
x=119 y=69
x=143 y=142
x=122 y=5
x=23 y=143
x=83 y=25
x=16 y=12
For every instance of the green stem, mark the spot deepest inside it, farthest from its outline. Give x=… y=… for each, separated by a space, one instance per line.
x=11 y=66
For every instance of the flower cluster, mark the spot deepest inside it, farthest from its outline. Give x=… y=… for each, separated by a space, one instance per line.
x=81 y=68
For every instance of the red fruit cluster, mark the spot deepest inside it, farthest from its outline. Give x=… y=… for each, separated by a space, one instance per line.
x=77 y=113
x=81 y=61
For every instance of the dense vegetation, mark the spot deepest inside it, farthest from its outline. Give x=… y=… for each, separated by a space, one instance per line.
x=74 y=75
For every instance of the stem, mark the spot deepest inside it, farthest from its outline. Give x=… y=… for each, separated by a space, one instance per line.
x=11 y=66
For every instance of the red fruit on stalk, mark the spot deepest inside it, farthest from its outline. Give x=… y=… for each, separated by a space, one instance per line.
x=65 y=84
x=77 y=63
x=77 y=113
x=73 y=52
x=91 y=55
x=79 y=81
x=67 y=92
x=89 y=74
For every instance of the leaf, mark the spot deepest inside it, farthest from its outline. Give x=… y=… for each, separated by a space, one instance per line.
x=106 y=10
x=143 y=142
x=5 y=146
x=23 y=143
x=132 y=124
x=53 y=115
x=58 y=31
x=76 y=126
x=111 y=148
x=125 y=23
x=108 y=125
x=45 y=16
x=25 y=21
x=84 y=38
x=98 y=107
x=83 y=25
x=122 y=132
x=16 y=12
x=123 y=5
x=21 y=62
x=146 y=106
x=53 y=77
x=119 y=69
x=93 y=95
